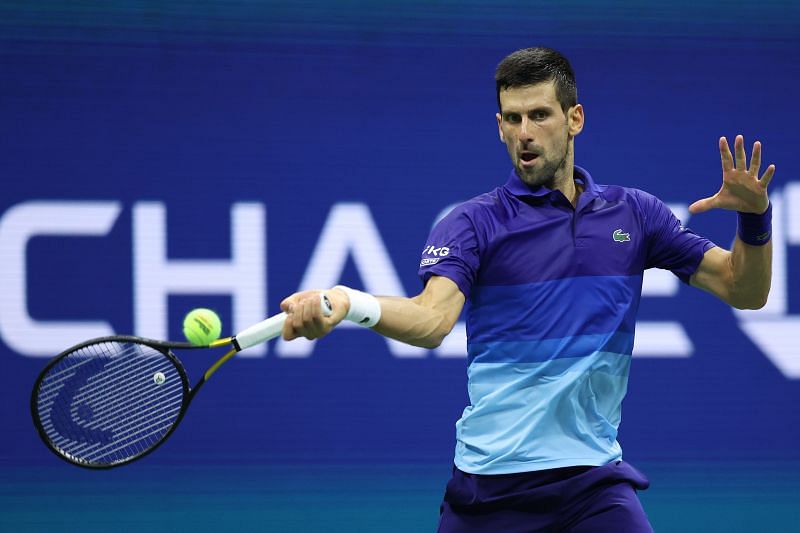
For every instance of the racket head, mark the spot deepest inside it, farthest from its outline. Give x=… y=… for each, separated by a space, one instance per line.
x=109 y=401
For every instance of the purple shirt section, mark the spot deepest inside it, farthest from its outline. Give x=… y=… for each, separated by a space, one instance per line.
x=516 y=235
x=553 y=293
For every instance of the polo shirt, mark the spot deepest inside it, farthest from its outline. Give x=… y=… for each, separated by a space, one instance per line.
x=552 y=293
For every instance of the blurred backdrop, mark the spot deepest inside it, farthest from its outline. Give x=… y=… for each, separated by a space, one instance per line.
x=158 y=156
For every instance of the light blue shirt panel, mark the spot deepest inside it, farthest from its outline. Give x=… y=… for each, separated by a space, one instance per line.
x=535 y=416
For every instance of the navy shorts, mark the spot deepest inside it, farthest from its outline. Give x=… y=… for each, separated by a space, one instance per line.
x=580 y=499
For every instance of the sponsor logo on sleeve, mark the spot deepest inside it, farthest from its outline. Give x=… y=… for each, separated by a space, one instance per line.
x=436 y=253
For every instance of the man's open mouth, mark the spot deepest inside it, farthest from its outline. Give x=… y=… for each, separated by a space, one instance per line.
x=527 y=157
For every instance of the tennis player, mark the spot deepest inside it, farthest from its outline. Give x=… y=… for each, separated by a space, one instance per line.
x=551 y=263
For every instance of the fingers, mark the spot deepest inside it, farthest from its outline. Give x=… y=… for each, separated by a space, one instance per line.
x=755 y=160
x=741 y=156
x=767 y=177
x=288 y=333
x=305 y=318
x=701 y=206
x=741 y=159
x=741 y=188
x=287 y=305
x=311 y=313
x=755 y=166
x=725 y=155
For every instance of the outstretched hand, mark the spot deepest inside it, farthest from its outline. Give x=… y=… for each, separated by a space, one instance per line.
x=741 y=190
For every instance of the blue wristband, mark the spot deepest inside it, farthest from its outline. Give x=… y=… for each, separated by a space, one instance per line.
x=755 y=230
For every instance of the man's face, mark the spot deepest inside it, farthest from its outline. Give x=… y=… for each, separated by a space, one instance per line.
x=537 y=132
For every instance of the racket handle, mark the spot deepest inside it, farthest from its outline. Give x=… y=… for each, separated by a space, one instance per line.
x=261 y=332
x=272 y=327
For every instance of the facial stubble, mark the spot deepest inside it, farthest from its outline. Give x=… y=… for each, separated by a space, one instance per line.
x=548 y=174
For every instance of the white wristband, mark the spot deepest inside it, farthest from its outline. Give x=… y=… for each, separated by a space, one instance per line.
x=365 y=310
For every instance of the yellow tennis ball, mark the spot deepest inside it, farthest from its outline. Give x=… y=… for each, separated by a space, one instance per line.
x=202 y=326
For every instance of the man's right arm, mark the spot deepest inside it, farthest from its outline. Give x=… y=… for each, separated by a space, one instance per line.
x=423 y=320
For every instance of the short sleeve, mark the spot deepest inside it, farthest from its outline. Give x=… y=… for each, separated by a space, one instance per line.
x=452 y=251
x=671 y=245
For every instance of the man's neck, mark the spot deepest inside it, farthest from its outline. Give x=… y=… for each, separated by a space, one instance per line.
x=566 y=183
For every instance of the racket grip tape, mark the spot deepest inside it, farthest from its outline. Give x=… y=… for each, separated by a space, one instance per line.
x=272 y=327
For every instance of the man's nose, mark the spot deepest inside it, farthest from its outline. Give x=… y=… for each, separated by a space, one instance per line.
x=525 y=130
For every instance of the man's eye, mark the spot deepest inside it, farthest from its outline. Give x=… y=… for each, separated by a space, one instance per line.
x=539 y=115
x=513 y=118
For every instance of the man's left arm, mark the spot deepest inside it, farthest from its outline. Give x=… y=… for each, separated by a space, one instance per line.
x=740 y=277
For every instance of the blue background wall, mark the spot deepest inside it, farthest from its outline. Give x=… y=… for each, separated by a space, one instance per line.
x=311 y=109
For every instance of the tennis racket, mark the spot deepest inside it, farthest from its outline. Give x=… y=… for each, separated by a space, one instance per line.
x=112 y=400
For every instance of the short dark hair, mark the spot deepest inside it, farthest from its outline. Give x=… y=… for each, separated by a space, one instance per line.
x=531 y=66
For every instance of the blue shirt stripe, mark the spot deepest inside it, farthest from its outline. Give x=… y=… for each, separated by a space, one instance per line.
x=542 y=350
x=554 y=309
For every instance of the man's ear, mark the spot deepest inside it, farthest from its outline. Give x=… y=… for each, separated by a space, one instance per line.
x=499 y=118
x=575 y=119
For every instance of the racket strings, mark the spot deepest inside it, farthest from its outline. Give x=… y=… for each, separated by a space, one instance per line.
x=113 y=415
x=111 y=412
x=109 y=402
